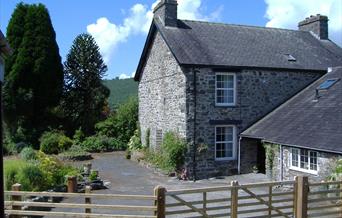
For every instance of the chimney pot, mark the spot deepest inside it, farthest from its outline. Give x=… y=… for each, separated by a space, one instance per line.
x=318 y=25
x=166 y=11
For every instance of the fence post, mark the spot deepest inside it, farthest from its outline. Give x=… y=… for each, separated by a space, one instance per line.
x=16 y=187
x=159 y=193
x=234 y=199
x=87 y=199
x=302 y=189
x=72 y=184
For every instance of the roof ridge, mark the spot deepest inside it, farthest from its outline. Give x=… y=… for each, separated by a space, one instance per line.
x=241 y=25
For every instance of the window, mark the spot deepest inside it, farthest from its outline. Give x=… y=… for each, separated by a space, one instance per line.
x=224 y=142
x=304 y=160
x=159 y=137
x=225 y=89
x=327 y=84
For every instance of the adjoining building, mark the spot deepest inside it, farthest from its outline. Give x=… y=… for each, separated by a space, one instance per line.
x=209 y=82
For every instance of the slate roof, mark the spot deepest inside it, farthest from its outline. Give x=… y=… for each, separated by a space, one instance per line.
x=227 y=45
x=302 y=122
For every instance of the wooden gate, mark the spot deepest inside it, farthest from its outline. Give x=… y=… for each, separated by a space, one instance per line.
x=272 y=199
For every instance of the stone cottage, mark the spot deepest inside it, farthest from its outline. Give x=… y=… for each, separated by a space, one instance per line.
x=304 y=132
x=210 y=81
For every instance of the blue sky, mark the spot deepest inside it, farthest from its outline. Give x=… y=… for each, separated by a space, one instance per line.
x=120 y=26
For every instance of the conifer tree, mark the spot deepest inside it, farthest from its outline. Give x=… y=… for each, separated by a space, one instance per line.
x=34 y=74
x=85 y=96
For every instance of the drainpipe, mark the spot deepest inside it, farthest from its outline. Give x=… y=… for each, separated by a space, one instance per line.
x=194 y=127
x=239 y=153
x=281 y=163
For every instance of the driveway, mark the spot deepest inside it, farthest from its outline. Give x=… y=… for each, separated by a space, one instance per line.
x=128 y=177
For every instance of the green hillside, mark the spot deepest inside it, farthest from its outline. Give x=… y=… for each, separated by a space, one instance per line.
x=120 y=90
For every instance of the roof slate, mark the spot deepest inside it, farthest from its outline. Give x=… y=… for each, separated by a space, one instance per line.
x=215 y=44
x=302 y=122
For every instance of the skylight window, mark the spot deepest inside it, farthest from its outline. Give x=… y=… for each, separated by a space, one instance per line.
x=327 y=84
x=290 y=57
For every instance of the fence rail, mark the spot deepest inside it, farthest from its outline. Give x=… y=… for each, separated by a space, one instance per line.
x=298 y=198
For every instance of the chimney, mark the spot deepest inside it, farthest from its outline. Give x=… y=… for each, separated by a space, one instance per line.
x=318 y=25
x=166 y=12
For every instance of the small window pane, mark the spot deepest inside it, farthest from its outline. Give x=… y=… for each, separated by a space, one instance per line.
x=295 y=157
x=313 y=160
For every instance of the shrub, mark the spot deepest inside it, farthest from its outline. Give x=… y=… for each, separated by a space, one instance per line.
x=54 y=141
x=76 y=152
x=102 y=143
x=11 y=170
x=50 y=166
x=173 y=148
x=122 y=124
x=64 y=143
x=135 y=143
x=9 y=147
x=28 y=154
x=31 y=178
x=170 y=157
x=78 y=136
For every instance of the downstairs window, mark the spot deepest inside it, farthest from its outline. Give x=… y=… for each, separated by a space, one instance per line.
x=304 y=160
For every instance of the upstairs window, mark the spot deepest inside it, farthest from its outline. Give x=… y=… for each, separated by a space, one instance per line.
x=225 y=92
x=304 y=160
x=327 y=84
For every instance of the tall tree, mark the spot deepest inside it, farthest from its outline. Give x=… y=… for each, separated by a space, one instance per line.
x=34 y=79
x=85 y=96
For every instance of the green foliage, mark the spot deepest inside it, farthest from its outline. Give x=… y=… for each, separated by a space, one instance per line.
x=93 y=176
x=28 y=154
x=170 y=157
x=122 y=124
x=54 y=141
x=64 y=143
x=135 y=143
x=270 y=150
x=336 y=174
x=76 y=152
x=147 y=137
x=174 y=148
x=9 y=147
x=102 y=143
x=34 y=73
x=85 y=96
x=120 y=91
x=31 y=178
x=78 y=136
x=11 y=169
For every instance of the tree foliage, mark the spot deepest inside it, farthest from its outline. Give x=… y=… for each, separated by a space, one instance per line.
x=84 y=94
x=122 y=123
x=34 y=73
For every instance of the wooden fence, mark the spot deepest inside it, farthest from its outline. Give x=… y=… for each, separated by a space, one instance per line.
x=298 y=198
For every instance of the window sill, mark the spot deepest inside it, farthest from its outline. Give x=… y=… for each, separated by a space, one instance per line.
x=226 y=105
x=225 y=159
x=312 y=172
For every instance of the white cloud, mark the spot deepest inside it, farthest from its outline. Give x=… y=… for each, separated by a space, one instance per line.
x=108 y=35
x=287 y=14
x=124 y=76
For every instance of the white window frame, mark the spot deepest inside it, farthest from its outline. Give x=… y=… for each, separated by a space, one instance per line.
x=234 y=143
x=234 y=89
x=298 y=168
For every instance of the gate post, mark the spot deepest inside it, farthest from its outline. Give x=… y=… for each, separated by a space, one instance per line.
x=72 y=184
x=301 y=197
x=87 y=199
x=16 y=187
x=234 y=199
x=159 y=193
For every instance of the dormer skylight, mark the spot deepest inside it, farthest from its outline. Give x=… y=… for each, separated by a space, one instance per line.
x=327 y=84
x=290 y=57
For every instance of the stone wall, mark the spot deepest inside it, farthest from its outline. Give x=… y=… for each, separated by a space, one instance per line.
x=258 y=93
x=326 y=163
x=161 y=93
